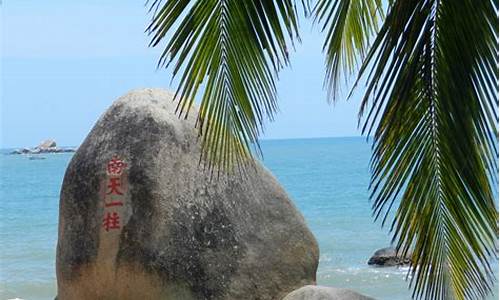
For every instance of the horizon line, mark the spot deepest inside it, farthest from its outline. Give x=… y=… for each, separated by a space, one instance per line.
x=260 y=140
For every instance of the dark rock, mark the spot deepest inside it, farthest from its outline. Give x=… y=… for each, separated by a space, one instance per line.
x=387 y=257
x=313 y=292
x=181 y=234
x=35 y=151
x=21 y=151
x=36 y=157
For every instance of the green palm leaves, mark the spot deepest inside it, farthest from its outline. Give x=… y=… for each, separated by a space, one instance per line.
x=431 y=104
x=238 y=46
x=432 y=94
x=348 y=25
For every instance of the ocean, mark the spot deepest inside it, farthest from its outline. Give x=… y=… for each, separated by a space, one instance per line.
x=326 y=178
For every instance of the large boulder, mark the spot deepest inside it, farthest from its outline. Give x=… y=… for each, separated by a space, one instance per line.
x=313 y=292
x=140 y=219
x=388 y=257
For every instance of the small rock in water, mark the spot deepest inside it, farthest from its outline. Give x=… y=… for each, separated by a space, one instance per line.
x=21 y=151
x=36 y=157
x=47 y=144
x=387 y=257
x=314 y=292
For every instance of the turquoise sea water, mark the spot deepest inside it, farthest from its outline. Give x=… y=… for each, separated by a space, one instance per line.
x=327 y=179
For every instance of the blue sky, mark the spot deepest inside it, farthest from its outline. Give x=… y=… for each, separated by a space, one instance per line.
x=64 y=62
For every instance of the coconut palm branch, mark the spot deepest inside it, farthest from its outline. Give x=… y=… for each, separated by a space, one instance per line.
x=432 y=96
x=348 y=26
x=431 y=70
x=238 y=47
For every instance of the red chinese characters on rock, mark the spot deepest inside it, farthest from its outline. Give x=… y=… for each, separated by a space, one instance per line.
x=115 y=166
x=114 y=192
x=111 y=221
x=113 y=186
x=113 y=203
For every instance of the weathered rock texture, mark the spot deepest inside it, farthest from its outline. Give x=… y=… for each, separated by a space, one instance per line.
x=47 y=144
x=388 y=257
x=313 y=292
x=180 y=235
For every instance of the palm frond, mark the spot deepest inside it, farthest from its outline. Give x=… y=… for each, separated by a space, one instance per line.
x=432 y=96
x=237 y=49
x=349 y=25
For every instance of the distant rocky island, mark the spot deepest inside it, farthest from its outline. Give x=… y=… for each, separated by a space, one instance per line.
x=47 y=146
